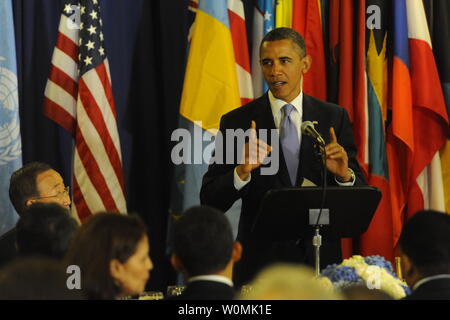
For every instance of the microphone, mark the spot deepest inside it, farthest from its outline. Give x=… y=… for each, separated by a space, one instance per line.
x=308 y=129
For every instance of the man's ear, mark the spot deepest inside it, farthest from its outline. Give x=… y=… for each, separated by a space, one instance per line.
x=116 y=269
x=306 y=63
x=176 y=263
x=406 y=265
x=236 y=253
x=29 y=202
x=409 y=272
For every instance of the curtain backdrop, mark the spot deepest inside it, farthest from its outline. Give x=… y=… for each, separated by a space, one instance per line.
x=146 y=45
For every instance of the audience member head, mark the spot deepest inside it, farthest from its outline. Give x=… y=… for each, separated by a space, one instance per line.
x=36 y=278
x=203 y=243
x=361 y=292
x=45 y=229
x=288 y=282
x=425 y=246
x=37 y=182
x=112 y=251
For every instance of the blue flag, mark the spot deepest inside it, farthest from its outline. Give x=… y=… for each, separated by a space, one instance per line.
x=10 y=142
x=263 y=23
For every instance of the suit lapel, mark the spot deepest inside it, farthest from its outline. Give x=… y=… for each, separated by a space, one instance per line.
x=307 y=152
x=264 y=119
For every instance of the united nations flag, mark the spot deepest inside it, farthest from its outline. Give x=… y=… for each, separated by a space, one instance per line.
x=10 y=142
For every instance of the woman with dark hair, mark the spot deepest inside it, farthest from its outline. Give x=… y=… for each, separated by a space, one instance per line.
x=112 y=251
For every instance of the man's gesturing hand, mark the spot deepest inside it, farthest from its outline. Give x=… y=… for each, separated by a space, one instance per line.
x=337 y=158
x=255 y=151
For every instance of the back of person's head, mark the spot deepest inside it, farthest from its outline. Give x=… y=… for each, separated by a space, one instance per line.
x=45 y=229
x=425 y=240
x=23 y=185
x=203 y=241
x=286 y=34
x=361 y=292
x=36 y=278
x=104 y=237
x=288 y=282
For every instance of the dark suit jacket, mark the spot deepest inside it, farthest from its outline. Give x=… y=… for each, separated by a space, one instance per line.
x=438 y=289
x=8 y=247
x=206 y=290
x=218 y=183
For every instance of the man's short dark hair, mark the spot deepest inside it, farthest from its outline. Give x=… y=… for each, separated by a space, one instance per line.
x=425 y=239
x=203 y=240
x=283 y=34
x=45 y=229
x=23 y=186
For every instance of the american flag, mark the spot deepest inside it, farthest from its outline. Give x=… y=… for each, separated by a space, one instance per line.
x=79 y=97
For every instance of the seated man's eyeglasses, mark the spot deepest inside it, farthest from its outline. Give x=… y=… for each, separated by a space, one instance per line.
x=59 y=195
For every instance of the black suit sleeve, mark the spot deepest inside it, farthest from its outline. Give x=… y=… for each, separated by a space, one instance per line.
x=345 y=139
x=218 y=183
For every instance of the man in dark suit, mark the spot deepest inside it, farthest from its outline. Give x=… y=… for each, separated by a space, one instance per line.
x=283 y=61
x=425 y=252
x=204 y=251
x=34 y=182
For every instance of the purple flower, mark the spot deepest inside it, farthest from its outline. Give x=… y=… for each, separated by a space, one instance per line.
x=341 y=273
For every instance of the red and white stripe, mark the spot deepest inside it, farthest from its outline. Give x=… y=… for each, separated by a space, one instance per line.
x=61 y=92
x=430 y=119
x=85 y=107
x=240 y=45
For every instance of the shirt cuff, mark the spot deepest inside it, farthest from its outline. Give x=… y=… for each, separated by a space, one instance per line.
x=349 y=183
x=238 y=183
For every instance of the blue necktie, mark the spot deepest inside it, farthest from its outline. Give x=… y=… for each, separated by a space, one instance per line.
x=290 y=143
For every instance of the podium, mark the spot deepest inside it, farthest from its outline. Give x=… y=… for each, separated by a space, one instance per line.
x=284 y=214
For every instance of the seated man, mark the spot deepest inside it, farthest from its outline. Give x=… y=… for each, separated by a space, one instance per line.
x=46 y=229
x=425 y=252
x=34 y=182
x=205 y=252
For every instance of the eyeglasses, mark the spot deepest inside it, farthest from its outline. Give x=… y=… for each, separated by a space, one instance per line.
x=59 y=195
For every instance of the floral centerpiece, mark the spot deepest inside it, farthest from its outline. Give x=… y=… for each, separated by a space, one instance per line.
x=373 y=271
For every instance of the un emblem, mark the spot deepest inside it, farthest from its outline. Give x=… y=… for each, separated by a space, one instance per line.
x=10 y=142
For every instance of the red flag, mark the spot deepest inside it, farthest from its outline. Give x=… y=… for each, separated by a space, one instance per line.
x=429 y=116
x=342 y=63
x=79 y=97
x=341 y=54
x=240 y=47
x=307 y=21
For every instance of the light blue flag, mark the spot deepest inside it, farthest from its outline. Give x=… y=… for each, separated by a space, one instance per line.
x=10 y=142
x=263 y=22
x=269 y=22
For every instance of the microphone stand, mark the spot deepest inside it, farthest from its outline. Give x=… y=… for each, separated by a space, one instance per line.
x=317 y=238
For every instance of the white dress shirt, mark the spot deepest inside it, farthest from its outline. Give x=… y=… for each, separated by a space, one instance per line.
x=427 y=279
x=278 y=116
x=212 y=277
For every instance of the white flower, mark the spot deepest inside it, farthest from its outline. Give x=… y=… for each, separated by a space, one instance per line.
x=375 y=277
